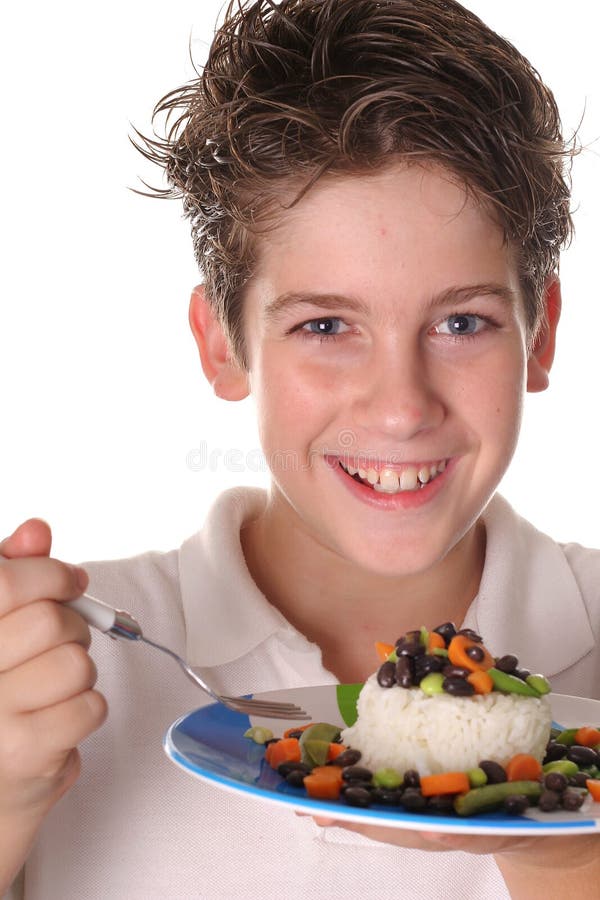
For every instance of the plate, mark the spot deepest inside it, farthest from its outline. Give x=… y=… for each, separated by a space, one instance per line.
x=209 y=743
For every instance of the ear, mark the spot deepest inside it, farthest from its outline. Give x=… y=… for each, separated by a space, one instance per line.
x=541 y=355
x=228 y=379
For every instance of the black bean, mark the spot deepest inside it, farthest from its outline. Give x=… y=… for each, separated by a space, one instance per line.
x=409 y=648
x=523 y=674
x=357 y=796
x=583 y=756
x=411 y=779
x=386 y=674
x=572 y=799
x=346 y=785
x=472 y=635
x=450 y=670
x=405 y=676
x=555 y=751
x=579 y=780
x=447 y=631
x=516 y=804
x=475 y=653
x=494 y=771
x=347 y=757
x=549 y=801
x=424 y=665
x=458 y=687
x=296 y=777
x=441 y=803
x=293 y=734
x=414 y=636
x=507 y=663
x=387 y=796
x=285 y=768
x=555 y=781
x=413 y=800
x=356 y=773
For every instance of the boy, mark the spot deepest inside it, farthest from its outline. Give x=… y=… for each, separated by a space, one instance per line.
x=377 y=198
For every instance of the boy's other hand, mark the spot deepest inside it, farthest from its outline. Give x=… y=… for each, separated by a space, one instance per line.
x=47 y=704
x=570 y=864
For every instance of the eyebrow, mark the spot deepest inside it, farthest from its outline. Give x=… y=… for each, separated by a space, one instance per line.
x=292 y=300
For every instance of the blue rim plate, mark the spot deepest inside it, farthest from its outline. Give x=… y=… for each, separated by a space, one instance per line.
x=209 y=743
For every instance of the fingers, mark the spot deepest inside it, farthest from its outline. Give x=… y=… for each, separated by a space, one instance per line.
x=37 y=578
x=31 y=538
x=46 y=680
x=45 y=624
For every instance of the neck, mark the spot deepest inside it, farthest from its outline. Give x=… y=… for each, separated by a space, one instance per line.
x=345 y=609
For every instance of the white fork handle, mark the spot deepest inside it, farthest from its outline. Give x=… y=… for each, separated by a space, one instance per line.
x=114 y=622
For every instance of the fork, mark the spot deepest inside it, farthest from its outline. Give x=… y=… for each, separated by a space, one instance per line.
x=120 y=624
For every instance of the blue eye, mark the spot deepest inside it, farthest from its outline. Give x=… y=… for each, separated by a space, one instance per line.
x=325 y=326
x=461 y=325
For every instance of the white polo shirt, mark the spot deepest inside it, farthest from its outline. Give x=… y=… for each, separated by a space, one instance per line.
x=136 y=828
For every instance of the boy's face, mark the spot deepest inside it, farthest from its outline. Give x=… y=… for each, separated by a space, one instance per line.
x=385 y=331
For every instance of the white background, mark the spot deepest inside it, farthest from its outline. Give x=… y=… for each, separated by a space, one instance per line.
x=103 y=398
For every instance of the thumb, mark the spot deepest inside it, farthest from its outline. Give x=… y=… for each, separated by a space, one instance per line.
x=31 y=538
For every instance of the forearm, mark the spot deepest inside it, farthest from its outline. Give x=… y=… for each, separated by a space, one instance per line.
x=16 y=841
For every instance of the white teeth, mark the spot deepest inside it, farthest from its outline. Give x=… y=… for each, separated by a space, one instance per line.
x=388 y=479
x=408 y=479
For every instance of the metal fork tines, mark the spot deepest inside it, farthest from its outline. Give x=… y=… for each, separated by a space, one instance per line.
x=120 y=624
x=268 y=709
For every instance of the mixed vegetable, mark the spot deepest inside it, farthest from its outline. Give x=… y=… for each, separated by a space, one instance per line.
x=455 y=662
x=313 y=758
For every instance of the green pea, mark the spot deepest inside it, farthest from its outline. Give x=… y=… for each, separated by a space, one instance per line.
x=387 y=778
x=477 y=777
x=432 y=684
x=567 y=737
x=424 y=636
x=440 y=651
x=564 y=766
x=538 y=683
x=258 y=734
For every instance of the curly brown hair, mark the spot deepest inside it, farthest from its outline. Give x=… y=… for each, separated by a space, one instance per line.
x=300 y=88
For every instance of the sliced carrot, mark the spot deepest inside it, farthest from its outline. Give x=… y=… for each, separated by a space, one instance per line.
x=383 y=650
x=587 y=736
x=435 y=641
x=295 y=728
x=324 y=783
x=593 y=786
x=458 y=656
x=481 y=681
x=523 y=767
x=283 y=750
x=334 y=751
x=445 y=783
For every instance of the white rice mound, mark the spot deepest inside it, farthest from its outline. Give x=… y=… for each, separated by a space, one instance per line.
x=402 y=729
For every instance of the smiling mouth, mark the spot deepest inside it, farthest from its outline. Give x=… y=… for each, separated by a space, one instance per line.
x=387 y=480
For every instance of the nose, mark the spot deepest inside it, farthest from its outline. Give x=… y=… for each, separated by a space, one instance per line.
x=397 y=397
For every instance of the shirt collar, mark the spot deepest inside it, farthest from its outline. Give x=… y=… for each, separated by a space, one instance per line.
x=226 y=614
x=529 y=602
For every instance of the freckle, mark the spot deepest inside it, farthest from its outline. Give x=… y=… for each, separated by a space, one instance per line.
x=383 y=232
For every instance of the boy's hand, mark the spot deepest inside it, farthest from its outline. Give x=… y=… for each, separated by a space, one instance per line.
x=570 y=864
x=47 y=705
